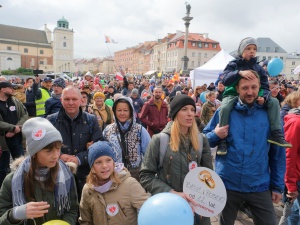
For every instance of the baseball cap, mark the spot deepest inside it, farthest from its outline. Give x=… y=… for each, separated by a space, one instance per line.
x=47 y=79
x=5 y=84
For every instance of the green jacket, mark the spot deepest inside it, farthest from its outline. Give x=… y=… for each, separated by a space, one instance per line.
x=174 y=168
x=6 y=204
x=7 y=127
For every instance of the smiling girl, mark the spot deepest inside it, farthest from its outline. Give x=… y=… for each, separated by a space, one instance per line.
x=111 y=195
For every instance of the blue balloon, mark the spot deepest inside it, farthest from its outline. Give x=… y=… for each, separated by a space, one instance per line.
x=275 y=67
x=202 y=97
x=166 y=208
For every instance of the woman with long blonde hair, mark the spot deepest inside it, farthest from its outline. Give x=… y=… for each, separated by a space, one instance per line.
x=184 y=150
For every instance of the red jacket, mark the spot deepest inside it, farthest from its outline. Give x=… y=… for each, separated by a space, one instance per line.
x=154 y=119
x=291 y=130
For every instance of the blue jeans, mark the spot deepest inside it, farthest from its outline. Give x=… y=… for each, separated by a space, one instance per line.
x=16 y=150
x=294 y=218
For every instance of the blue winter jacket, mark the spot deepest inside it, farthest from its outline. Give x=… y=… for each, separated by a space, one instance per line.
x=250 y=164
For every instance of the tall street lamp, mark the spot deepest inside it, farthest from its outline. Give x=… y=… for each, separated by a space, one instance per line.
x=187 y=20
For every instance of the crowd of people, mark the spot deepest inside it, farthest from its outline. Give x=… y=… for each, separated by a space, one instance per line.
x=93 y=150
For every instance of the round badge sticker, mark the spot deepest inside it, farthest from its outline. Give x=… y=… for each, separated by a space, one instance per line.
x=207 y=189
x=38 y=133
x=112 y=209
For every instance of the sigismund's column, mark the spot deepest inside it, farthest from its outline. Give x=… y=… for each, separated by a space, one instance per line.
x=187 y=20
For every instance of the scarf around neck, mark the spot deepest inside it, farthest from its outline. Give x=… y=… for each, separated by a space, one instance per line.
x=105 y=187
x=63 y=186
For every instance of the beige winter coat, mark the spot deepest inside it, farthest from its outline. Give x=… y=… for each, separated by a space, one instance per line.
x=117 y=206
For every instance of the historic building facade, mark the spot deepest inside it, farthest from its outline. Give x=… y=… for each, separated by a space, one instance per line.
x=37 y=49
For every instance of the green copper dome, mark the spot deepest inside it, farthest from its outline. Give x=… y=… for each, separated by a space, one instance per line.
x=63 y=23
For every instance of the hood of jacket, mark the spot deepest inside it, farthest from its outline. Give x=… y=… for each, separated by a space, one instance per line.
x=295 y=111
x=167 y=128
x=129 y=100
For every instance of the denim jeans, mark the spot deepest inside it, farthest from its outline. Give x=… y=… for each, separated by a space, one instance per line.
x=294 y=218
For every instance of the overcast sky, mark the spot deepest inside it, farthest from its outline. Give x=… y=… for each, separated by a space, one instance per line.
x=130 y=22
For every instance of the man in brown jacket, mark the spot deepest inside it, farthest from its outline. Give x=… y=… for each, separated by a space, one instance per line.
x=155 y=112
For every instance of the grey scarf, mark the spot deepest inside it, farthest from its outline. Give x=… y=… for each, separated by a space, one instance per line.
x=63 y=185
x=295 y=111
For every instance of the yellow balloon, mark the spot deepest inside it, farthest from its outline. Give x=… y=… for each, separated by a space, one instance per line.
x=159 y=75
x=56 y=222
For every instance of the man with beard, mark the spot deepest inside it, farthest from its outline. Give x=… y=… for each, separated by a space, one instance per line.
x=252 y=170
x=155 y=112
x=12 y=116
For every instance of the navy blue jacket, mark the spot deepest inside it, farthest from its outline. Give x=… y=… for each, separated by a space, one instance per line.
x=231 y=76
x=52 y=105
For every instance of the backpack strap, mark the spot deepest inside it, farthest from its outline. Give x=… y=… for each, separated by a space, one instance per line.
x=163 y=145
x=164 y=142
x=200 y=141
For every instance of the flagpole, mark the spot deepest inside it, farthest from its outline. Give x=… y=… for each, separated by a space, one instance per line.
x=108 y=49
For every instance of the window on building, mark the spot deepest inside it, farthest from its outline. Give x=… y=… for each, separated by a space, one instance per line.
x=25 y=50
x=267 y=49
x=199 y=45
x=41 y=52
x=276 y=49
x=281 y=58
x=41 y=62
x=198 y=63
x=64 y=37
x=214 y=45
x=292 y=70
x=194 y=44
x=205 y=55
x=269 y=57
x=9 y=58
x=206 y=45
x=175 y=53
x=199 y=55
x=8 y=48
x=293 y=63
x=193 y=54
x=65 y=44
x=193 y=63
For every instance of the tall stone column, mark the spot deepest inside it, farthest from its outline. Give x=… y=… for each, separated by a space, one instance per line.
x=186 y=20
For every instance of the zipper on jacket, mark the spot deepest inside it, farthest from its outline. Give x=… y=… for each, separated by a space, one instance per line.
x=122 y=209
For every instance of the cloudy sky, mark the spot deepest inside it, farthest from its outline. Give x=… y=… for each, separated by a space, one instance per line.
x=130 y=22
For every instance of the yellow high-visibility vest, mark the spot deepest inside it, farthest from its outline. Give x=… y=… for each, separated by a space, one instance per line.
x=40 y=104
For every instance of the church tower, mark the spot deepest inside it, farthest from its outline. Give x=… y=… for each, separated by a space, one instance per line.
x=63 y=47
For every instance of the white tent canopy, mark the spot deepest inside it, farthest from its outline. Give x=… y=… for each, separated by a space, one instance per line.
x=150 y=72
x=209 y=72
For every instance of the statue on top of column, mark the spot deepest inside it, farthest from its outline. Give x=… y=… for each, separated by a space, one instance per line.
x=188 y=8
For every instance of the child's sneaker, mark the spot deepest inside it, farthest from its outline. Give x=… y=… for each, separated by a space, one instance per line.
x=277 y=138
x=222 y=147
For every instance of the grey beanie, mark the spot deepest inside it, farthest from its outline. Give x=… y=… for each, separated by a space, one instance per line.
x=39 y=133
x=135 y=91
x=244 y=43
x=59 y=82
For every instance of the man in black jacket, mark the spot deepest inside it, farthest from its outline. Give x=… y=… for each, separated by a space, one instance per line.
x=79 y=130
